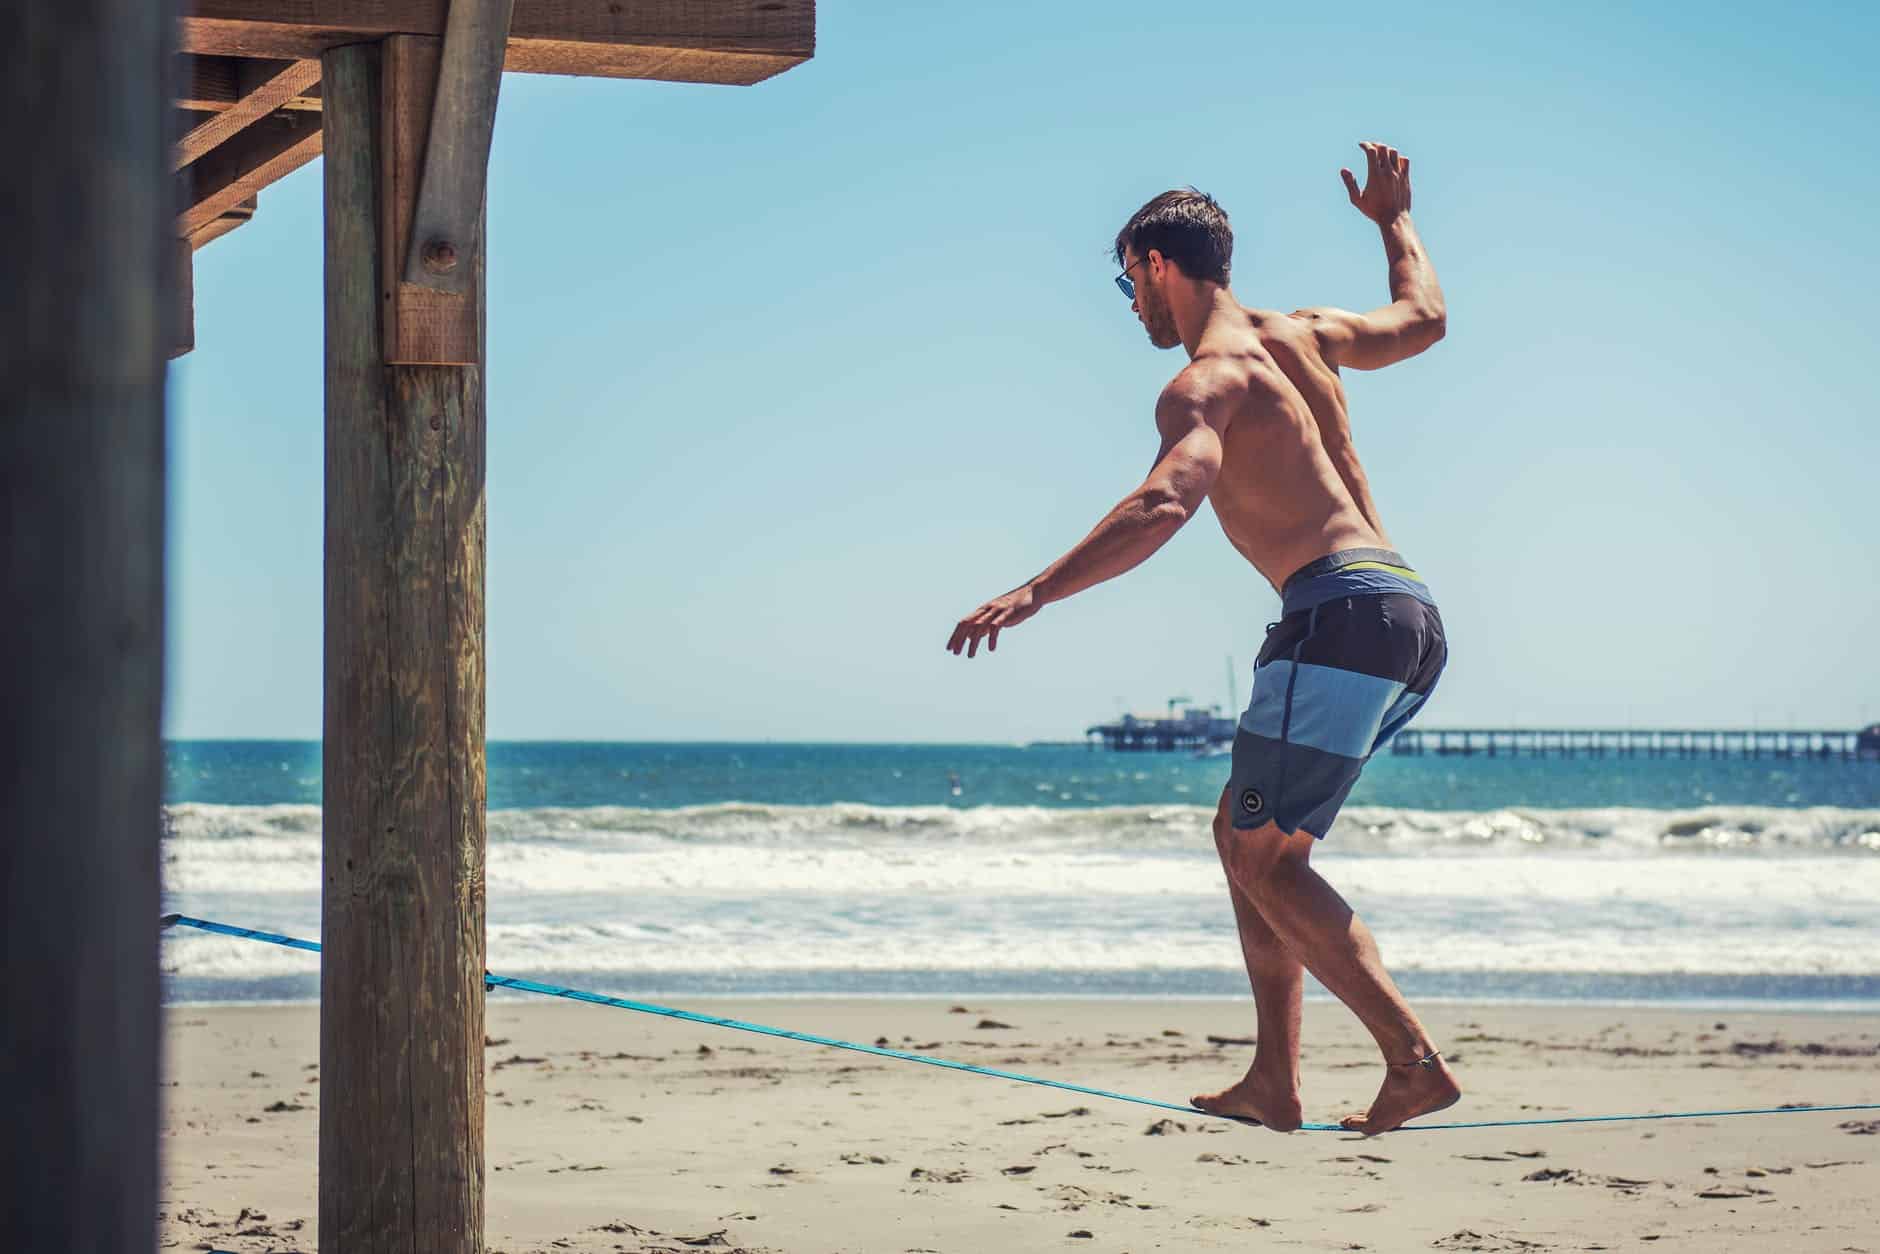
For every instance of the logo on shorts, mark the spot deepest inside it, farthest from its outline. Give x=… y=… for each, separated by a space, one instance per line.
x=1251 y=801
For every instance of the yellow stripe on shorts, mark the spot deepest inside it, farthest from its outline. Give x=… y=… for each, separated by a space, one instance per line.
x=1405 y=571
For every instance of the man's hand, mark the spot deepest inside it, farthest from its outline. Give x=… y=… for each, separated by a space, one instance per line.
x=1386 y=193
x=1415 y=317
x=993 y=617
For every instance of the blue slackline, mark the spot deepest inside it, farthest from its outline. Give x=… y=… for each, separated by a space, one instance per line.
x=601 y=999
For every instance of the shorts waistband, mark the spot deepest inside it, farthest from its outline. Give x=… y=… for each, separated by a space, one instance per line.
x=1342 y=559
x=1351 y=572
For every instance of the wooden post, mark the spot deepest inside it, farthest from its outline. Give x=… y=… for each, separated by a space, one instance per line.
x=401 y=979
x=84 y=331
x=183 y=270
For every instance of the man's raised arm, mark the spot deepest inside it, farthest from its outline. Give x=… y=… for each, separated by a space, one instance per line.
x=1414 y=319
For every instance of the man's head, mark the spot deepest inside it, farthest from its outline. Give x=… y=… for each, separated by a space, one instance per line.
x=1179 y=236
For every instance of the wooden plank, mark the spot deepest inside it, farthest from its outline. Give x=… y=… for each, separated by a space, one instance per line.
x=212 y=84
x=271 y=94
x=401 y=1002
x=705 y=41
x=268 y=150
x=422 y=325
x=86 y=272
x=664 y=63
x=230 y=219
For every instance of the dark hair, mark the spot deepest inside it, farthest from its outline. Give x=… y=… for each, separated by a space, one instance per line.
x=1188 y=228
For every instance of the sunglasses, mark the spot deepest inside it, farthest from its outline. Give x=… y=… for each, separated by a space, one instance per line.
x=1126 y=284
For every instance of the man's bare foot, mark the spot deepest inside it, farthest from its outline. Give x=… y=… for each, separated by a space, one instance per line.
x=1408 y=1092
x=1273 y=1103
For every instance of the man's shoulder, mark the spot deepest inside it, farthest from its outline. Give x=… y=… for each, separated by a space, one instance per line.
x=1225 y=382
x=1210 y=375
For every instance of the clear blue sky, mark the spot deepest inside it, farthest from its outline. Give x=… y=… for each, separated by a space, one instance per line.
x=783 y=380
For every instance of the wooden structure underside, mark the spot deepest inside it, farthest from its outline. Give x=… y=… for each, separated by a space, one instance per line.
x=248 y=83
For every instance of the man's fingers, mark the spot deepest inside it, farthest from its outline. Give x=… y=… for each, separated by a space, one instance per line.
x=1371 y=157
x=984 y=623
x=961 y=634
x=1351 y=185
x=966 y=636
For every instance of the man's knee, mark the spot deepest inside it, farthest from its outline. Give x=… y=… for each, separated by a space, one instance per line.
x=1261 y=860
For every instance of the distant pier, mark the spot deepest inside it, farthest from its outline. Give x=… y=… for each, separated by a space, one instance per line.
x=1197 y=728
x=1631 y=743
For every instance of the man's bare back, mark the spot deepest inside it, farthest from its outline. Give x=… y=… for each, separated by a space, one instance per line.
x=1282 y=496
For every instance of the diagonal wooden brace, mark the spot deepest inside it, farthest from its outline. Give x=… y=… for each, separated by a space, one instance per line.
x=446 y=226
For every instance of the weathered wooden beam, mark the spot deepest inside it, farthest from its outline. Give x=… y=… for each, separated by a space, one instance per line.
x=702 y=41
x=456 y=162
x=270 y=149
x=212 y=84
x=271 y=94
x=230 y=219
x=401 y=1164
x=664 y=62
x=83 y=329
x=422 y=325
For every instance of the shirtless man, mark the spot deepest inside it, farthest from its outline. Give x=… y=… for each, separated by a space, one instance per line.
x=1255 y=424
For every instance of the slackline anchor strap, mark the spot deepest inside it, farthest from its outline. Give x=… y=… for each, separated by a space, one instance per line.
x=810 y=1038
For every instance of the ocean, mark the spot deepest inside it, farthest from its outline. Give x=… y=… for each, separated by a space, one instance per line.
x=662 y=870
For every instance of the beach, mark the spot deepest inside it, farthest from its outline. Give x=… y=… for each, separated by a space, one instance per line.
x=615 y=1131
x=1581 y=938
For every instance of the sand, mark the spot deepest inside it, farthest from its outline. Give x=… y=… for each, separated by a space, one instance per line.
x=615 y=1131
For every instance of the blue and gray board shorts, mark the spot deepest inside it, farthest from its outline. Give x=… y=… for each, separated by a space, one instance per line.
x=1356 y=652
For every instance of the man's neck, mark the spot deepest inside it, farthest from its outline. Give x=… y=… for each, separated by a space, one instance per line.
x=1203 y=304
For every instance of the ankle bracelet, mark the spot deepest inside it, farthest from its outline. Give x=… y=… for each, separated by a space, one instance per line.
x=1428 y=1063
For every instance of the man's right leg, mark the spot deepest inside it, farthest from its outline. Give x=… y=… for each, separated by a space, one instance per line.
x=1269 y=1092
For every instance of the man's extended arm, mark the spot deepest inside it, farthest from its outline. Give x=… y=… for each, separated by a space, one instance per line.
x=1415 y=317
x=1144 y=520
x=1141 y=523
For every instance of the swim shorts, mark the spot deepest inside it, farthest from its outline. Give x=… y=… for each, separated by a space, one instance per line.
x=1356 y=652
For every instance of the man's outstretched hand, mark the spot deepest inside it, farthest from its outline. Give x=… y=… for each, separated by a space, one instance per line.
x=1386 y=191
x=991 y=618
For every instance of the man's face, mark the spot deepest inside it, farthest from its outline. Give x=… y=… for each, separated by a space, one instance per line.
x=1151 y=303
